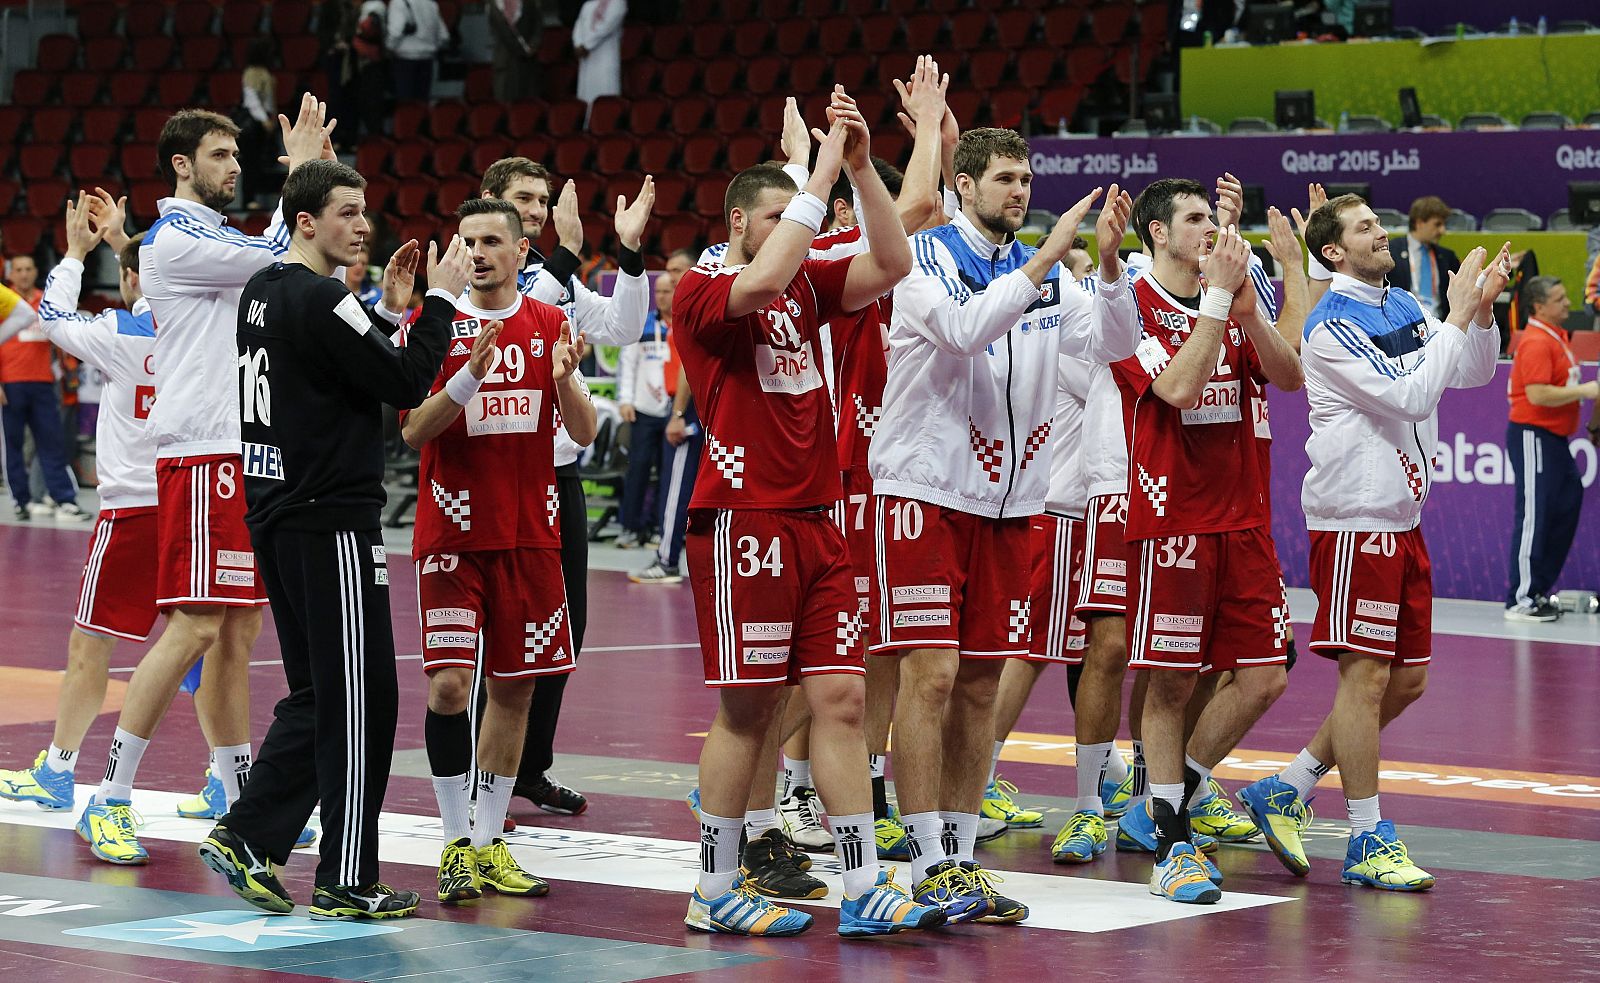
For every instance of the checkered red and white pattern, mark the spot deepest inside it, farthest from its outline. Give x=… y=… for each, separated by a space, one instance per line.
x=539 y=634
x=729 y=461
x=866 y=416
x=1036 y=440
x=455 y=506
x=1413 y=474
x=849 y=633
x=552 y=504
x=1017 y=624
x=990 y=453
x=1155 y=490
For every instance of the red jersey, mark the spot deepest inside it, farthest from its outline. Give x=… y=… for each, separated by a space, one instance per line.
x=1200 y=470
x=488 y=482
x=769 y=422
x=860 y=370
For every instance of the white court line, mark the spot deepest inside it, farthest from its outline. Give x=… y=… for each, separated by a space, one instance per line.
x=1059 y=902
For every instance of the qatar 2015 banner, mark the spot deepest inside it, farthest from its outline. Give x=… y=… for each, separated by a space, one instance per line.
x=1468 y=517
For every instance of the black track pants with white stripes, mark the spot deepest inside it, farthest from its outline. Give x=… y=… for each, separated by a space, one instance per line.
x=332 y=737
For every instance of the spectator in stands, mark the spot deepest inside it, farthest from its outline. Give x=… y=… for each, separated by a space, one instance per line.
x=416 y=35
x=597 y=41
x=31 y=404
x=358 y=278
x=517 y=27
x=1545 y=393
x=644 y=399
x=257 y=118
x=22 y=274
x=684 y=440
x=1591 y=287
x=1421 y=265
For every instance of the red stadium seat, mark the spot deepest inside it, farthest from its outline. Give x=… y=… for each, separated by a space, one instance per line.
x=656 y=153
x=681 y=232
x=878 y=32
x=761 y=75
x=139 y=162
x=449 y=157
x=672 y=190
x=701 y=152
x=565 y=118
x=1109 y=22
x=969 y=30
x=290 y=86
x=191 y=19
x=639 y=76
x=836 y=35
x=24 y=233
x=730 y=114
x=418 y=226
x=32 y=88
x=776 y=9
x=524 y=119
x=1057 y=104
x=793 y=36
x=104 y=55
x=818 y=8
x=613 y=153
x=90 y=163
x=722 y=77
x=485 y=121
x=147 y=124
x=573 y=154
x=851 y=71
x=689 y=114
x=143 y=195
x=878 y=110
x=892 y=145
x=555 y=46
x=479 y=89
x=634 y=37
x=1085 y=65
x=647 y=115
x=1036 y=67
x=101 y=124
x=922 y=31
x=1016 y=28
x=50 y=126
x=372 y=157
x=453 y=191
x=81 y=88
x=747 y=150
x=900 y=65
x=809 y=73
x=444 y=119
x=1153 y=22
x=708 y=198
x=380 y=190
x=708 y=41
x=299 y=53
x=406 y=122
x=56 y=53
x=8 y=195
x=678 y=78
x=290 y=17
x=752 y=39
x=859 y=7
x=1007 y=107
x=411 y=197
x=38 y=162
x=985 y=69
x=11 y=120
x=241 y=18
x=227 y=89
x=177 y=88
x=97 y=20
x=47 y=197
x=1061 y=26
x=486 y=152
x=606 y=115
x=408 y=159
x=667 y=41
x=1124 y=62
x=145 y=21
x=698 y=11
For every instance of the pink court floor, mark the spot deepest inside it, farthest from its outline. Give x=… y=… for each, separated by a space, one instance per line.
x=1493 y=779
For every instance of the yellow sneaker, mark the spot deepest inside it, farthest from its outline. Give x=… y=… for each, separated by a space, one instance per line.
x=998 y=804
x=459 y=882
x=1214 y=816
x=1378 y=859
x=499 y=870
x=109 y=829
x=1081 y=840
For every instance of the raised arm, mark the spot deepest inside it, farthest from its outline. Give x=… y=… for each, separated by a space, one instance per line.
x=888 y=256
x=1100 y=322
x=1477 y=366
x=434 y=415
x=402 y=376
x=923 y=100
x=89 y=338
x=572 y=396
x=1184 y=378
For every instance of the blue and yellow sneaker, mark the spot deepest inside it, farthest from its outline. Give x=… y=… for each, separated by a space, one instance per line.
x=48 y=789
x=109 y=829
x=1280 y=814
x=692 y=800
x=741 y=911
x=948 y=886
x=886 y=910
x=1378 y=859
x=893 y=843
x=1213 y=815
x=998 y=804
x=1081 y=840
x=212 y=803
x=1115 y=796
x=1182 y=878
x=1136 y=833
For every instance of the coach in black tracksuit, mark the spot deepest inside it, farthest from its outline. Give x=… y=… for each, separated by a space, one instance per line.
x=315 y=370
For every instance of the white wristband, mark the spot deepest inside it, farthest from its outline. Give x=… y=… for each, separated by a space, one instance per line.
x=1216 y=303
x=1315 y=270
x=462 y=386
x=807 y=209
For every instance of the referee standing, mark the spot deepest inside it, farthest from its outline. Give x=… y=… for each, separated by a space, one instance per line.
x=315 y=370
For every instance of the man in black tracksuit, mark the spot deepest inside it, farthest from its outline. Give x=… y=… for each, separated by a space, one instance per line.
x=316 y=368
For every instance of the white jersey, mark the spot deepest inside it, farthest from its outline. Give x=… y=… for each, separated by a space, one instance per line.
x=121 y=345
x=1069 y=490
x=192 y=269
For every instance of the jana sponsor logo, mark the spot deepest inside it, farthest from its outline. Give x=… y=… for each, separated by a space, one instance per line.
x=1377 y=609
x=1112 y=588
x=766 y=630
x=766 y=656
x=788 y=372
x=236 y=558
x=1174 y=643
x=450 y=640
x=1111 y=568
x=236 y=578
x=921 y=593
x=506 y=411
x=911 y=619
x=1180 y=622
x=1218 y=404
x=1366 y=629
x=451 y=616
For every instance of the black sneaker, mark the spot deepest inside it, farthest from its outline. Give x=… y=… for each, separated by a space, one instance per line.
x=21 y=513
x=373 y=901
x=769 y=867
x=552 y=796
x=1002 y=910
x=249 y=873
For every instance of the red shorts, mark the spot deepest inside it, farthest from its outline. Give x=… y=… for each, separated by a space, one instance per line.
x=515 y=598
x=950 y=579
x=1207 y=603
x=1104 y=586
x=1374 y=595
x=772 y=596
x=205 y=553
x=1057 y=633
x=853 y=516
x=118 y=593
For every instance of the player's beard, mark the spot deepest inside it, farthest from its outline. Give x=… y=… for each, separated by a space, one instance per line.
x=213 y=196
x=1374 y=266
x=998 y=223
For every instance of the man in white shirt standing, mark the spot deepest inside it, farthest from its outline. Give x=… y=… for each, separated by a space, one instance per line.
x=597 y=41
x=646 y=405
x=416 y=36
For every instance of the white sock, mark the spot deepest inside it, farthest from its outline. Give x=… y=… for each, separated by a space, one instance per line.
x=1202 y=791
x=231 y=765
x=1364 y=815
x=1304 y=772
x=878 y=764
x=454 y=794
x=758 y=821
x=1116 y=766
x=795 y=772
x=1172 y=795
x=59 y=760
x=925 y=830
x=1141 y=777
x=1092 y=759
x=994 y=762
x=856 y=846
x=719 y=854
x=494 y=800
x=961 y=835
x=122 y=767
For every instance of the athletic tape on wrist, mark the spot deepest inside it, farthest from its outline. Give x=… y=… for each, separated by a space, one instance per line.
x=1216 y=303
x=462 y=386
x=807 y=209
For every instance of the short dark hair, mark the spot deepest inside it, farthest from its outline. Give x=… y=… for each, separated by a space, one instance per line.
x=309 y=186
x=1155 y=204
x=129 y=256
x=978 y=147
x=181 y=136
x=748 y=184
x=689 y=254
x=1537 y=289
x=1079 y=242
x=507 y=169
x=493 y=206
x=1326 y=225
x=887 y=173
x=1426 y=209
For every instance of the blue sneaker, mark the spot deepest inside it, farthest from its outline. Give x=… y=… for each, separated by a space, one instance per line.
x=1378 y=859
x=307 y=837
x=949 y=887
x=892 y=841
x=1281 y=816
x=212 y=803
x=693 y=801
x=1182 y=878
x=885 y=910
x=49 y=790
x=1136 y=833
x=110 y=830
x=741 y=911
x=1115 y=796
x=1081 y=840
